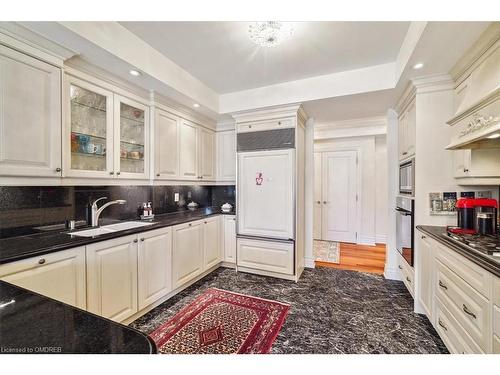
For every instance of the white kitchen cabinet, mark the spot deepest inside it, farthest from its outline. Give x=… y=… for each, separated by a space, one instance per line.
x=212 y=249
x=131 y=138
x=407 y=275
x=112 y=278
x=59 y=275
x=229 y=238
x=188 y=150
x=206 y=150
x=226 y=145
x=476 y=163
x=407 y=131
x=187 y=252
x=154 y=266
x=425 y=268
x=30 y=116
x=166 y=145
x=267 y=256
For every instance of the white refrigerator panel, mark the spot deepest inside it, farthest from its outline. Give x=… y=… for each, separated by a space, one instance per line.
x=266 y=194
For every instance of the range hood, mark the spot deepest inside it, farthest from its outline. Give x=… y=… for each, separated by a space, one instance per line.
x=477 y=121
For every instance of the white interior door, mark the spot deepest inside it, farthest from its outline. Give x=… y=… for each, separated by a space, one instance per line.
x=339 y=190
x=266 y=193
x=317 y=197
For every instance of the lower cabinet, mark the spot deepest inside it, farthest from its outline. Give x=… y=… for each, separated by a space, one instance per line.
x=407 y=275
x=59 y=275
x=229 y=238
x=187 y=252
x=112 y=278
x=425 y=264
x=154 y=266
x=268 y=256
x=212 y=254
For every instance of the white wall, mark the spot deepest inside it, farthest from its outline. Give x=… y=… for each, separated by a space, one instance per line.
x=372 y=218
x=381 y=189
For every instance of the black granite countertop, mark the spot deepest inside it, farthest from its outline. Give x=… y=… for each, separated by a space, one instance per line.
x=488 y=262
x=32 y=323
x=16 y=248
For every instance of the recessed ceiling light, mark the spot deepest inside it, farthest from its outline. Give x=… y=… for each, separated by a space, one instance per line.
x=269 y=33
x=196 y=105
x=494 y=136
x=418 y=66
x=134 y=72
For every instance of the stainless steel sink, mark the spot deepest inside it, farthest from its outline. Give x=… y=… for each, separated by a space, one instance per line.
x=111 y=228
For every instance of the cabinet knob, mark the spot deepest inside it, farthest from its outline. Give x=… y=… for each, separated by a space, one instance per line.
x=142 y=239
x=118 y=173
x=190 y=224
x=405 y=153
x=111 y=173
x=279 y=122
x=135 y=241
x=325 y=202
x=58 y=169
x=422 y=237
x=41 y=261
x=318 y=202
x=466 y=170
x=204 y=222
x=249 y=126
x=157 y=175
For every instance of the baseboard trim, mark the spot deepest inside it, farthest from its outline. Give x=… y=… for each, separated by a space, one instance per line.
x=392 y=274
x=381 y=238
x=366 y=240
x=309 y=263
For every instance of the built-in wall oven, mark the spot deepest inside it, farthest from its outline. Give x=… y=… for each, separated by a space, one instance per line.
x=407 y=178
x=405 y=228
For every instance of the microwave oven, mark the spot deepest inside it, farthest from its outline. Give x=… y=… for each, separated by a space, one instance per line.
x=407 y=178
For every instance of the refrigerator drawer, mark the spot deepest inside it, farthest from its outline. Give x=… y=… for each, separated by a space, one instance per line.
x=264 y=255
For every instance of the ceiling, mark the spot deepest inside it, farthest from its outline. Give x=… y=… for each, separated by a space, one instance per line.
x=221 y=55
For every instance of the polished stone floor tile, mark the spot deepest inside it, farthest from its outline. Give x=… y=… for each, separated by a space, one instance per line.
x=332 y=311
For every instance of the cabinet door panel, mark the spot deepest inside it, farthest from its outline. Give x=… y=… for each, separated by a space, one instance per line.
x=154 y=266
x=131 y=138
x=188 y=151
x=207 y=154
x=227 y=155
x=425 y=271
x=411 y=123
x=58 y=275
x=211 y=242
x=166 y=149
x=30 y=116
x=230 y=239
x=187 y=253
x=112 y=278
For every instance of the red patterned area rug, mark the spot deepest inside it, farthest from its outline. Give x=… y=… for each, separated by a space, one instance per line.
x=222 y=322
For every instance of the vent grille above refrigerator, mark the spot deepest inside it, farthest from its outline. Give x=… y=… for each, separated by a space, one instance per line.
x=277 y=139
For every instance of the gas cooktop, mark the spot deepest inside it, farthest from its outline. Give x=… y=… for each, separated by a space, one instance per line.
x=484 y=243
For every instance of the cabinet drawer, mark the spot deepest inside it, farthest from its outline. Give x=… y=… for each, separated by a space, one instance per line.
x=475 y=276
x=496 y=320
x=266 y=125
x=456 y=339
x=265 y=255
x=407 y=275
x=469 y=308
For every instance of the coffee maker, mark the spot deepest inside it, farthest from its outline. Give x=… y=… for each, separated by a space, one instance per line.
x=477 y=216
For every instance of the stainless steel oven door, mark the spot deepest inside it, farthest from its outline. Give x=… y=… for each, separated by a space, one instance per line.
x=406 y=178
x=404 y=234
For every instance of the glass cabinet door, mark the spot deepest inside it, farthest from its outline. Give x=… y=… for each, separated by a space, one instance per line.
x=132 y=134
x=90 y=119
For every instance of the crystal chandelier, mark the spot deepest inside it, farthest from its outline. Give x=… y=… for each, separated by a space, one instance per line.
x=269 y=33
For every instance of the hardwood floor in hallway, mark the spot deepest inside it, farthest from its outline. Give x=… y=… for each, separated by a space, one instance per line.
x=362 y=258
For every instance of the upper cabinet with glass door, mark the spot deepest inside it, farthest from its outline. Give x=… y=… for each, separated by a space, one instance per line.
x=106 y=134
x=132 y=131
x=89 y=132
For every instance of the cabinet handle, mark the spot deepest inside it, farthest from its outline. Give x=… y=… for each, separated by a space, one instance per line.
x=466 y=310
x=190 y=224
x=41 y=261
x=118 y=173
x=405 y=153
x=423 y=237
x=157 y=175
x=135 y=241
x=111 y=173
x=142 y=239
x=318 y=202
x=204 y=222
x=408 y=279
x=399 y=266
x=279 y=122
x=325 y=202
x=249 y=126
x=466 y=170
x=442 y=325
x=442 y=285
x=58 y=169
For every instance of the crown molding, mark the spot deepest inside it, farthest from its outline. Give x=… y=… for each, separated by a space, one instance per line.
x=18 y=37
x=352 y=123
x=422 y=85
x=226 y=125
x=294 y=110
x=476 y=54
x=361 y=127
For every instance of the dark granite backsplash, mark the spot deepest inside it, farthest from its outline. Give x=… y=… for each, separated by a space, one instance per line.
x=24 y=208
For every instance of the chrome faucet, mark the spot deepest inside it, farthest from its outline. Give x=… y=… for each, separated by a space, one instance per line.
x=97 y=212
